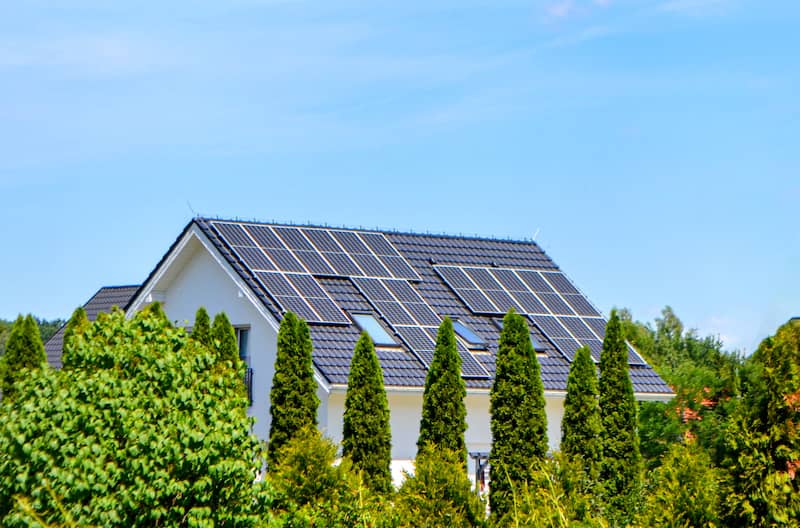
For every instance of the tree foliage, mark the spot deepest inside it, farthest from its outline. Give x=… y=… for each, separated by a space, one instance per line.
x=367 y=438
x=24 y=352
x=224 y=337
x=763 y=440
x=140 y=430
x=439 y=493
x=201 y=331
x=621 y=462
x=518 y=420
x=77 y=324
x=581 y=428
x=444 y=412
x=293 y=396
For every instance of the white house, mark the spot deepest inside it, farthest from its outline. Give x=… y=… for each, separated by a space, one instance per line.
x=397 y=287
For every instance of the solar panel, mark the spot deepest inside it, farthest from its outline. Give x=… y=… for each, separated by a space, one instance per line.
x=233 y=234
x=293 y=238
x=596 y=347
x=370 y=264
x=400 y=268
x=314 y=262
x=503 y=301
x=483 y=279
x=284 y=259
x=373 y=289
x=351 y=243
x=455 y=277
x=550 y=326
x=567 y=346
x=535 y=281
x=470 y=368
x=378 y=244
x=509 y=280
x=555 y=304
x=303 y=295
x=530 y=303
x=343 y=264
x=560 y=282
x=416 y=338
x=265 y=237
x=477 y=301
x=581 y=305
x=634 y=358
x=577 y=327
x=597 y=324
x=254 y=258
x=322 y=240
x=394 y=313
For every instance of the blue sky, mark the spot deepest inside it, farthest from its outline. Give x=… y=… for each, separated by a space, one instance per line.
x=651 y=146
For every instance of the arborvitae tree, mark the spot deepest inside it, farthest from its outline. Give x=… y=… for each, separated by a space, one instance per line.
x=518 y=422
x=763 y=438
x=224 y=337
x=293 y=397
x=367 y=438
x=580 y=426
x=24 y=350
x=77 y=324
x=201 y=331
x=444 y=413
x=620 y=470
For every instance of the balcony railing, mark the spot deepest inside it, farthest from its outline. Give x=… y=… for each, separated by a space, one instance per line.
x=248 y=384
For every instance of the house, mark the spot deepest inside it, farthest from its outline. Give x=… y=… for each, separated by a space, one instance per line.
x=397 y=287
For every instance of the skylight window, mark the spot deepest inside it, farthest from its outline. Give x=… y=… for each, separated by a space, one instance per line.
x=370 y=325
x=466 y=333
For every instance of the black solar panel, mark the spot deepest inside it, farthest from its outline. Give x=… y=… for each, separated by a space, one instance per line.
x=284 y=259
x=276 y=284
x=373 y=289
x=403 y=290
x=455 y=277
x=549 y=326
x=254 y=258
x=477 y=301
x=400 y=268
x=293 y=238
x=306 y=285
x=351 y=243
x=567 y=346
x=370 y=264
x=581 y=305
x=483 y=279
x=416 y=338
x=595 y=346
x=303 y=295
x=378 y=244
x=299 y=306
x=634 y=358
x=597 y=324
x=560 y=282
x=509 y=280
x=265 y=237
x=314 y=262
x=535 y=281
x=577 y=327
x=556 y=305
x=530 y=303
x=423 y=314
x=322 y=240
x=394 y=312
x=343 y=264
x=233 y=234
x=503 y=301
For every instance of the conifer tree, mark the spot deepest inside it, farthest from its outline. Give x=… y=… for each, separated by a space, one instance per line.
x=224 y=337
x=580 y=426
x=444 y=412
x=621 y=462
x=24 y=350
x=518 y=421
x=367 y=438
x=201 y=331
x=293 y=397
x=78 y=322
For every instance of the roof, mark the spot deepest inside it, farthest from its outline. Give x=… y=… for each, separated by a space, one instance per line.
x=409 y=282
x=103 y=301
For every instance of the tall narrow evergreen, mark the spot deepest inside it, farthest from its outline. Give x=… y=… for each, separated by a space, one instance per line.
x=367 y=437
x=224 y=337
x=580 y=426
x=518 y=422
x=621 y=462
x=293 y=397
x=24 y=350
x=77 y=323
x=444 y=413
x=201 y=331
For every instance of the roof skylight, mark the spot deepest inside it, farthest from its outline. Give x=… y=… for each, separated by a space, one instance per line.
x=370 y=325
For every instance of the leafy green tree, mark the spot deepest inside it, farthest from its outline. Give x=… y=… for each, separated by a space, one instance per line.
x=444 y=413
x=78 y=323
x=143 y=430
x=48 y=327
x=366 y=436
x=24 y=352
x=224 y=338
x=763 y=439
x=439 y=493
x=580 y=427
x=293 y=397
x=201 y=331
x=620 y=470
x=308 y=489
x=518 y=421
x=683 y=491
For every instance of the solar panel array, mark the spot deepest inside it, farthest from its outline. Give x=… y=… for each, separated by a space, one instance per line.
x=412 y=318
x=316 y=251
x=548 y=298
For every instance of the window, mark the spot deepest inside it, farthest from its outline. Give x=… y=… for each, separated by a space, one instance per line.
x=370 y=325
x=537 y=347
x=242 y=334
x=466 y=333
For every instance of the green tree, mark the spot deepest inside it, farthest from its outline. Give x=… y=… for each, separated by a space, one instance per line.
x=24 y=352
x=201 y=331
x=78 y=323
x=581 y=427
x=141 y=431
x=444 y=413
x=620 y=470
x=367 y=438
x=439 y=493
x=293 y=396
x=763 y=439
x=518 y=421
x=224 y=338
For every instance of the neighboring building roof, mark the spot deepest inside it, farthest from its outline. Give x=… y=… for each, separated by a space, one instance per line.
x=324 y=274
x=102 y=301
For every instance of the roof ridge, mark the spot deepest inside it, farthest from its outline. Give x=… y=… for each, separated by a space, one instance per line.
x=119 y=287
x=389 y=231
